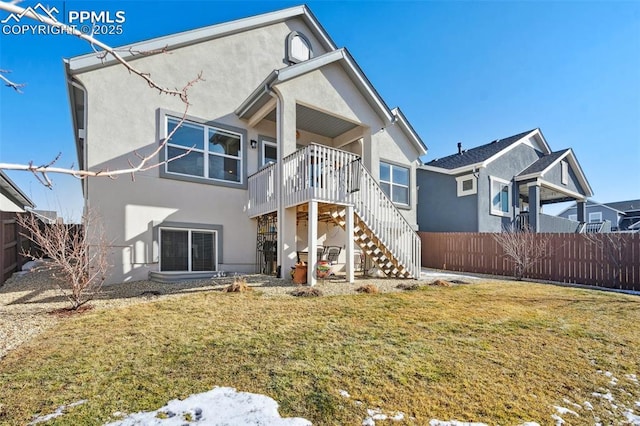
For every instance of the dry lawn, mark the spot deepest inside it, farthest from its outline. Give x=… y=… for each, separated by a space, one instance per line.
x=499 y=353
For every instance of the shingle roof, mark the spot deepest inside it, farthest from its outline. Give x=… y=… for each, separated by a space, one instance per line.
x=624 y=206
x=477 y=154
x=542 y=163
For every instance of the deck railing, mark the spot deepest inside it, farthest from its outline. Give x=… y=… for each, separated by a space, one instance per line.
x=325 y=174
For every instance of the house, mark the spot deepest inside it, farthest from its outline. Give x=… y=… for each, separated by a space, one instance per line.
x=292 y=150
x=503 y=183
x=12 y=199
x=622 y=215
x=12 y=202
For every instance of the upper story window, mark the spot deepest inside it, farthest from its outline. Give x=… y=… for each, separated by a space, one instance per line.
x=298 y=48
x=500 y=197
x=394 y=181
x=466 y=185
x=216 y=154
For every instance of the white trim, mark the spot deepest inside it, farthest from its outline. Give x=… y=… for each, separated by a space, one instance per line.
x=564 y=172
x=391 y=183
x=89 y=61
x=573 y=217
x=597 y=215
x=572 y=194
x=492 y=194
x=262 y=147
x=460 y=182
x=522 y=140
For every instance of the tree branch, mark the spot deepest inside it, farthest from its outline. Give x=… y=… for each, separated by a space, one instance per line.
x=9 y=83
x=143 y=162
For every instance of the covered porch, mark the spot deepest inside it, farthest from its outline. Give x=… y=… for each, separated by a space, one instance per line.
x=533 y=195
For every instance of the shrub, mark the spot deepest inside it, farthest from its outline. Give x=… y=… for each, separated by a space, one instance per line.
x=239 y=285
x=368 y=288
x=412 y=286
x=306 y=292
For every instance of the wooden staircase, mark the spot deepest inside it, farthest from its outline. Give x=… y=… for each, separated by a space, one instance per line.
x=371 y=245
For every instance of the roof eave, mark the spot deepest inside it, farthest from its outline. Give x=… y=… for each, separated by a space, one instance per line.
x=456 y=171
x=19 y=197
x=91 y=61
x=408 y=129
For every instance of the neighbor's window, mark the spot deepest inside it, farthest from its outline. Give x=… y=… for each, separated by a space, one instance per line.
x=573 y=217
x=187 y=250
x=394 y=181
x=500 y=197
x=466 y=185
x=595 y=217
x=564 y=173
x=215 y=153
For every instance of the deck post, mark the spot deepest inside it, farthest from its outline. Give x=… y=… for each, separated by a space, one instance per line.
x=349 y=225
x=312 y=234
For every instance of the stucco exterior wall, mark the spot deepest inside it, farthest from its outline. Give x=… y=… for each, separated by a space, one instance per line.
x=555 y=176
x=439 y=207
x=505 y=167
x=123 y=116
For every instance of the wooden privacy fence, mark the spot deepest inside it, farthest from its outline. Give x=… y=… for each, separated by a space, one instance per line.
x=604 y=260
x=10 y=253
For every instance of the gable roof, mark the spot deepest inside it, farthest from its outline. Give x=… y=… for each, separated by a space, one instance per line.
x=482 y=155
x=13 y=192
x=92 y=60
x=624 y=206
x=262 y=94
x=545 y=162
x=589 y=203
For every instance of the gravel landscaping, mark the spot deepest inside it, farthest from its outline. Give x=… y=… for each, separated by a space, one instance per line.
x=28 y=300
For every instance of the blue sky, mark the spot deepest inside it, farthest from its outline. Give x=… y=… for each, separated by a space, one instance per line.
x=461 y=71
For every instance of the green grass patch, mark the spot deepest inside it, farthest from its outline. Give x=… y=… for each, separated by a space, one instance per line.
x=500 y=353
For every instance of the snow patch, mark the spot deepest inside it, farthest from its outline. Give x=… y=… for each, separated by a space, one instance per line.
x=606 y=396
x=377 y=414
x=588 y=405
x=632 y=418
x=568 y=401
x=563 y=410
x=632 y=377
x=218 y=406
x=558 y=419
x=529 y=424
x=435 y=422
x=344 y=393
x=59 y=412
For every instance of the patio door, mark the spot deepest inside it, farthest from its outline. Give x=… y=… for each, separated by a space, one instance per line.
x=188 y=250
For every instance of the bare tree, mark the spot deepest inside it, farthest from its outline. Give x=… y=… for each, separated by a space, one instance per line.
x=103 y=51
x=524 y=247
x=77 y=258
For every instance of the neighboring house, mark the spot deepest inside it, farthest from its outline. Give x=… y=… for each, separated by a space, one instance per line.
x=293 y=149
x=503 y=183
x=12 y=199
x=12 y=202
x=623 y=215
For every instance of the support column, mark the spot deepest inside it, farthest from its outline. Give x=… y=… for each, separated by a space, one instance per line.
x=581 y=210
x=370 y=156
x=287 y=220
x=534 y=208
x=312 y=238
x=349 y=269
